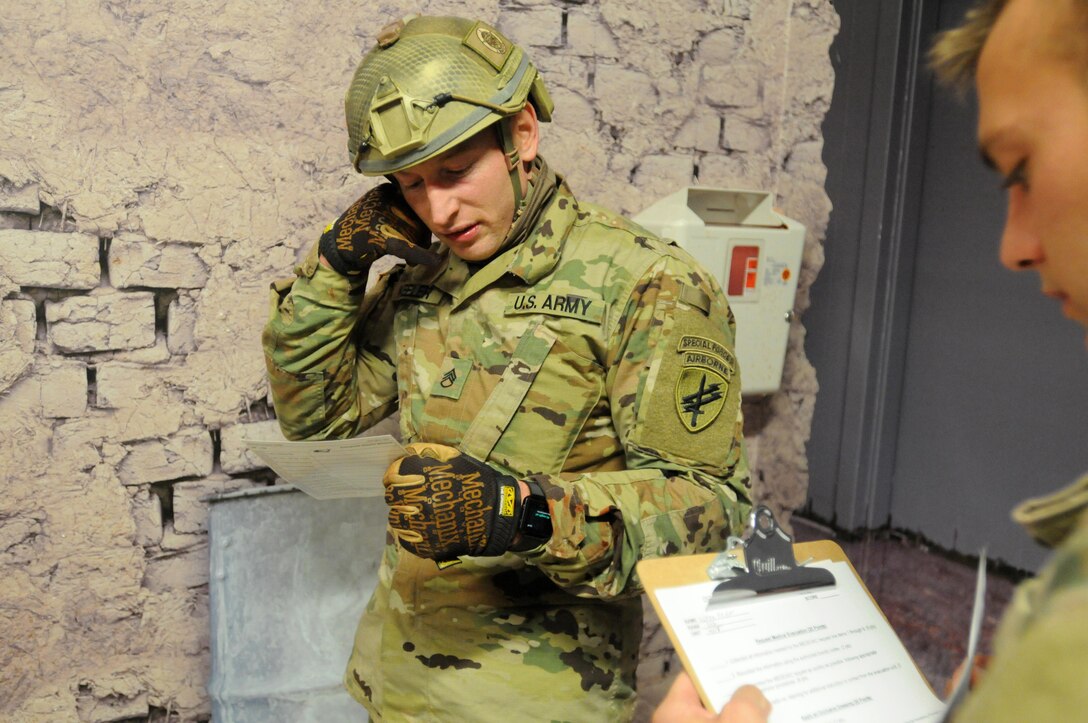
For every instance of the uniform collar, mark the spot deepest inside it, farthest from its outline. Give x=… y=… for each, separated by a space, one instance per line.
x=531 y=260
x=539 y=253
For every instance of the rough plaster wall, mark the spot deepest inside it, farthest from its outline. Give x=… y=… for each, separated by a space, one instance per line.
x=161 y=162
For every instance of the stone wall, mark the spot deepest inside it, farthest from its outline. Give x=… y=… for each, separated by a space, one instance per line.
x=161 y=162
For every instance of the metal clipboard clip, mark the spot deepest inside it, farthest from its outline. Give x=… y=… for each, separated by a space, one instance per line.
x=771 y=566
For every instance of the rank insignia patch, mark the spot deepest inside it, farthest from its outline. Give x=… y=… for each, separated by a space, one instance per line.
x=451 y=378
x=700 y=396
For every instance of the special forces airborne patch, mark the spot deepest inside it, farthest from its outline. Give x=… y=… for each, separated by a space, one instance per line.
x=707 y=368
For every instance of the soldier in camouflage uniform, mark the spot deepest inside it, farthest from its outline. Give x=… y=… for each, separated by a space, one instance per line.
x=566 y=382
x=1030 y=63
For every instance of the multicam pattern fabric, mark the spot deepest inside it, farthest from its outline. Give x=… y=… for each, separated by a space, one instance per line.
x=561 y=360
x=1041 y=649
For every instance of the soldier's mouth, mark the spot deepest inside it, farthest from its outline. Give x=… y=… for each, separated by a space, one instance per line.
x=464 y=235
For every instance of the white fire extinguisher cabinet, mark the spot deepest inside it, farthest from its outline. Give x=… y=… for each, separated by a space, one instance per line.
x=755 y=254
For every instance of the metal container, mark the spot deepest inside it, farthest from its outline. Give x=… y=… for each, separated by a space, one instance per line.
x=755 y=254
x=290 y=576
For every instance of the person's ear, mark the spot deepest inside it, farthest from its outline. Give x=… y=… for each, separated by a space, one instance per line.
x=525 y=128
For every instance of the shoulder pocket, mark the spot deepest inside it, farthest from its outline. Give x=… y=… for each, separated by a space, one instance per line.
x=692 y=412
x=300 y=401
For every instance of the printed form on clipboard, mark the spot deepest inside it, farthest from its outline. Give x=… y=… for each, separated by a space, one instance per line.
x=809 y=636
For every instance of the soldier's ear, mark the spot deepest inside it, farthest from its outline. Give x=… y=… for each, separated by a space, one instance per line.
x=525 y=129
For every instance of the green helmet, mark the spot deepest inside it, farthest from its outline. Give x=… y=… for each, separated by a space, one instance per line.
x=431 y=83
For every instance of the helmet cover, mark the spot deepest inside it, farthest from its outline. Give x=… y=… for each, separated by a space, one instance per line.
x=431 y=83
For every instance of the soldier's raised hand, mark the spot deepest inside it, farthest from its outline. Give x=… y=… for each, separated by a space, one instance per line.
x=380 y=222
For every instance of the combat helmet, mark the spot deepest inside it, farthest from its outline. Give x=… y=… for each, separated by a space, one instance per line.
x=431 y=83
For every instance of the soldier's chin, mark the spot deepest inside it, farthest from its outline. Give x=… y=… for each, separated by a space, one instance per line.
x=472 y=252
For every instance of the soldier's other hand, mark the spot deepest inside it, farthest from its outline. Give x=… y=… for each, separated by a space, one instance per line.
x=380 y=222
x=682 y=705
x=443 y=504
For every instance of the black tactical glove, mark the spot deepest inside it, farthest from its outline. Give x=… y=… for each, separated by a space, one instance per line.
x=443 y=504
x=379 y=223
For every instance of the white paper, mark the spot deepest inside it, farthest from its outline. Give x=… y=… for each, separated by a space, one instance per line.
x=823 y=655
x=332 y=469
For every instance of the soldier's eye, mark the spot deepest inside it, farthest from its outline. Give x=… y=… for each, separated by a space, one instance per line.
x=458 y=171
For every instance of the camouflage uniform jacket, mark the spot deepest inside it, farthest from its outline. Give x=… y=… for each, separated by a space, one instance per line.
x=1040 y=660
x=592 y=356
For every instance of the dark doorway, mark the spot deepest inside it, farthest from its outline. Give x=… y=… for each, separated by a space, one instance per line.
x=954 y=390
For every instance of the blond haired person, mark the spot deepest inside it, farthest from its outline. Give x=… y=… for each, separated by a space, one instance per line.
x=1028 y=60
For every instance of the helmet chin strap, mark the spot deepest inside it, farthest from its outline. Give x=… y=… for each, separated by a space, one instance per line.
x=513 y=162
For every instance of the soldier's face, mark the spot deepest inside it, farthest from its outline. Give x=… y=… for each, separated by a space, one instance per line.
x=464 y=195
x=1033 y=128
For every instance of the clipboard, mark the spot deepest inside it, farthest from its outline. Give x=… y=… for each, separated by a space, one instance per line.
x=683 y=578
x=681 y=570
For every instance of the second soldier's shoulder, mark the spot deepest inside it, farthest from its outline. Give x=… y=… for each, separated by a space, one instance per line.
x=1074 y=551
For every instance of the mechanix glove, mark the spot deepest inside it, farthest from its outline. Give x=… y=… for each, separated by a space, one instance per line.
x=379 y=223
x=443 y=504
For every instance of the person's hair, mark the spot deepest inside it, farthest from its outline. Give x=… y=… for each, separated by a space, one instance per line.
x=954 y=56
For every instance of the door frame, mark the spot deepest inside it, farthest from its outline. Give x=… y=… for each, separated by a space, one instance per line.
x=874 y=143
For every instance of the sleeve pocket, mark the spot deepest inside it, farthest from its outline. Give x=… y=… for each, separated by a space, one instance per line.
x=299 y=400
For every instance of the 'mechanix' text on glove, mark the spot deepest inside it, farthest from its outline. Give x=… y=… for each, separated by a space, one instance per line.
x=379 y=223
x=443 y=504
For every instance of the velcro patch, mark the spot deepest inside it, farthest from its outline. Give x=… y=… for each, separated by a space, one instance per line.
x=572 y=306
x=451 y=378
x=694 y=407
x=418 y=292
x=700 y=396
x=707 y=368
x=491 y=46
x=695 y=297
x=506 y=504
x=692 y=344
